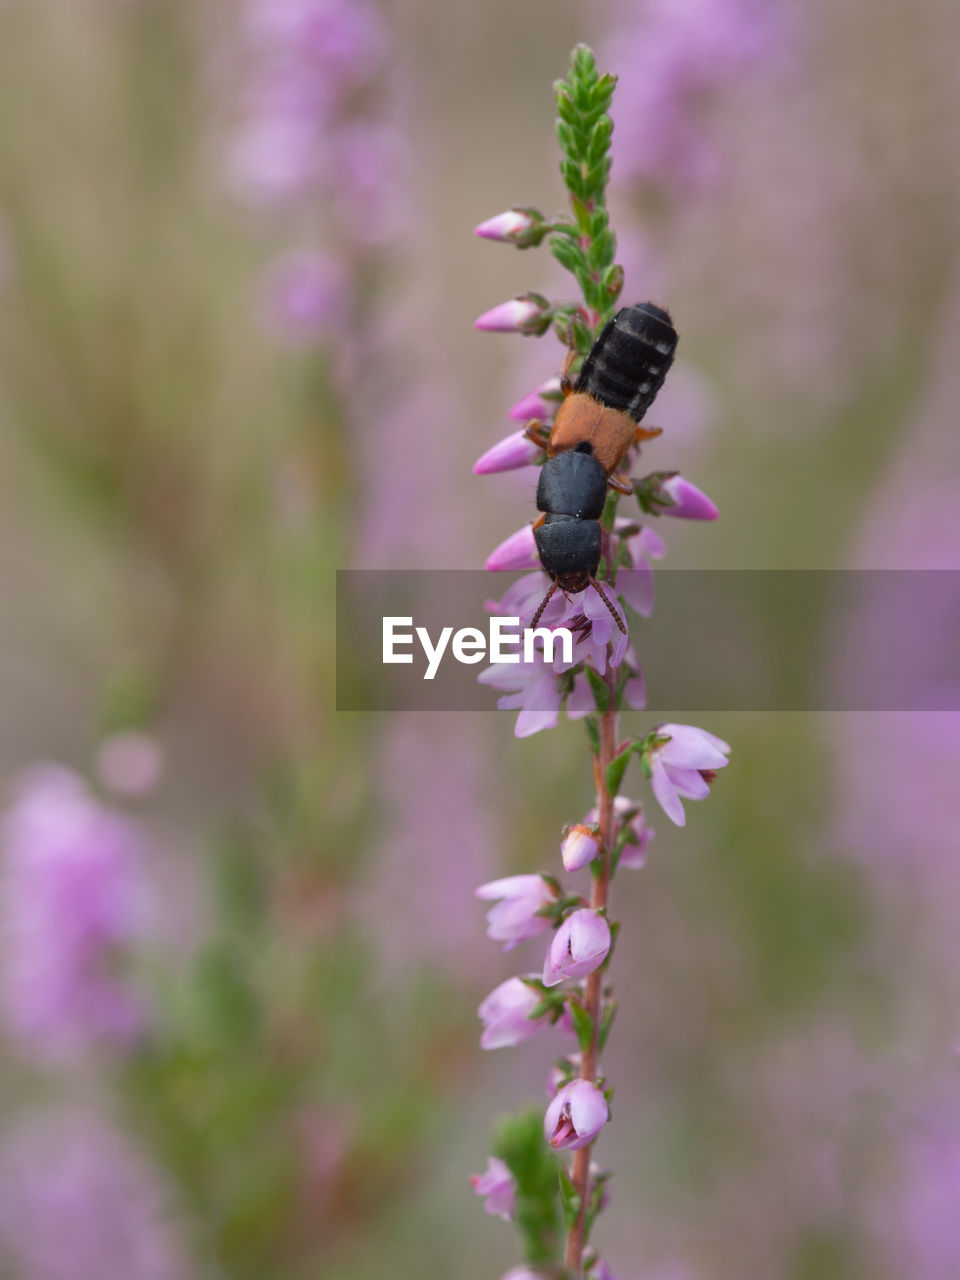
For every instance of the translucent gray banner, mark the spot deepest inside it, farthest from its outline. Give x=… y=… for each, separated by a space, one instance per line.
x=718 y=640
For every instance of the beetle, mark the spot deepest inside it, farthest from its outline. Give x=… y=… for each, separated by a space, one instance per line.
x=594 y=429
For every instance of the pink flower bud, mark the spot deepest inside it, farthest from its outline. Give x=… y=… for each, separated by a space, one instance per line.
x=496 y=1184
x=519 y=551
x=518 y=899
x=580 y=846
x=539 y=403
x=529 y=314
x=523 y=1273
x=505 y=1015
x=513 y=226
x=575 y=1116
x=578 y=947
x=513 y=451
x=690 y=502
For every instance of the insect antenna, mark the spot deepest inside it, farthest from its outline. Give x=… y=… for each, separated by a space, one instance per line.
x=543 y=604
x=606 y=600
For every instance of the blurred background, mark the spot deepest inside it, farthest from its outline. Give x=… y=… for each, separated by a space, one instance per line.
x=241 y=955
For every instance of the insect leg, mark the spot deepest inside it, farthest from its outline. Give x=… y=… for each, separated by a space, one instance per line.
x=543 y=604
x=606 y=600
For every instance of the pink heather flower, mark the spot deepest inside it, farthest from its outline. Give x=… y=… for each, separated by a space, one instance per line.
x=519 y=315
x=513 y=226
x=634 y=853
x=591 y=640
x=505 y=1014
x=635 y=692
x=579 y=946
x=496 y=1184
x=575 y=1116
x=71 y=899
x=305 y=295
x=580 y=845
x=523 y=597
x=530 y=687
x=580 y=701
x=561 y=1072
x=683 y=767
x=539 y=403
x=636 y=585
x=691 y=503
x=523 y=1273
x=78 y=1201
x=519 y=551
x=513 y=451
x=600 y=1271
x=518 y=899
x=130 y=763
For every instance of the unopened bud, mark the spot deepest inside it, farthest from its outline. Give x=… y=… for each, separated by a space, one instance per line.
x=522 y=227
x=528 y=314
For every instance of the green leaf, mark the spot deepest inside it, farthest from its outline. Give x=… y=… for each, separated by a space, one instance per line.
x=600 y=690
x=617 y=768
x=582 y=1024
x=567 y=252
x=593 y=733
x=519 y=1143
x=569 y=1200
x=606 y=1022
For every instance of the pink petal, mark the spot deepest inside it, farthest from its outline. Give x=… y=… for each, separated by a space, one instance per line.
x=665 y=792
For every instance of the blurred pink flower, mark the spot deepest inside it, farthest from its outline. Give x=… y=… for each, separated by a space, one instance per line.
x=636 y=585
x=78 y=1202
x=505 y=1014
x=71 y=900
x=344 y=40
x=518 y=899
x=634 y=853
x=370 y=163
x=497 y=1185
x=305 y=295
x=575 y=1116
x=681 y=56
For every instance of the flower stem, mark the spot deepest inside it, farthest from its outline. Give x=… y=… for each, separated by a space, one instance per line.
x=593 y=996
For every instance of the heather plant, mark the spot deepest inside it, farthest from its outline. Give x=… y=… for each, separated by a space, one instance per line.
x=528 y=1179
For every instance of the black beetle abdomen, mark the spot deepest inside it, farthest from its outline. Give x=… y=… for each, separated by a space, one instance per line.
x=572 y=484
x=568 y=546
x=628 y=362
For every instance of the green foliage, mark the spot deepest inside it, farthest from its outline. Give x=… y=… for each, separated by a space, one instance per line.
x=519 y=1143
x=584 y=131
x=600 y=690
x=617 y=768
x=582 y=1024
